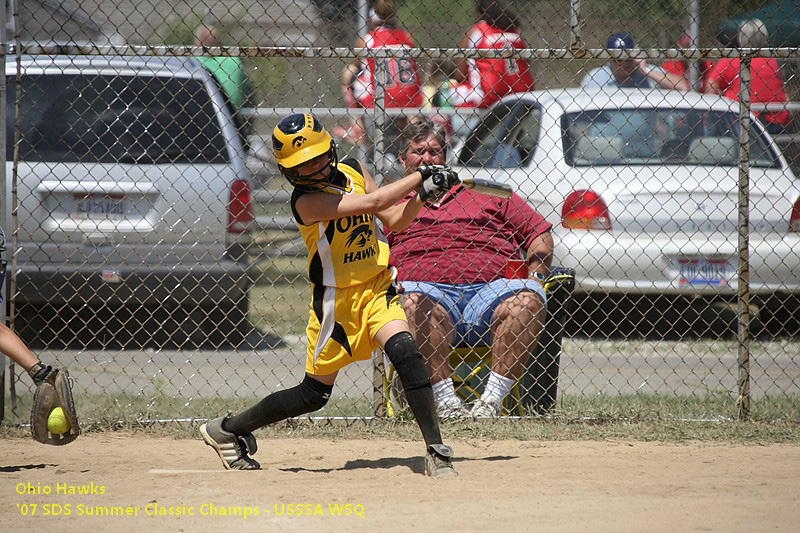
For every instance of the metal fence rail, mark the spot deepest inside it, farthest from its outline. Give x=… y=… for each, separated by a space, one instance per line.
x=135 y=158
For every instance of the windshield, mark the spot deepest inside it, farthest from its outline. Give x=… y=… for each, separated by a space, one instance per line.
x=659 y=136
x=112 y=119
x=507 y=138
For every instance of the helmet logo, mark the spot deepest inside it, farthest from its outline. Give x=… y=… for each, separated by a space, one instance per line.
x=299 y=140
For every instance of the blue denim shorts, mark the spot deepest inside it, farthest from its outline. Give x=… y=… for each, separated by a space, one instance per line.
x=471 y=305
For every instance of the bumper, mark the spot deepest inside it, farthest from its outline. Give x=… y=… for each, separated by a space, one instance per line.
x=199 y=284
x=643 y=264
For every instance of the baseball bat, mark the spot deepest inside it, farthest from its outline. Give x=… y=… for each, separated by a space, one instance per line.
x=490 y=187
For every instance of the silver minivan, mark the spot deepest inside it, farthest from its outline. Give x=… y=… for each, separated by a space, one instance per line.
x=134 y=201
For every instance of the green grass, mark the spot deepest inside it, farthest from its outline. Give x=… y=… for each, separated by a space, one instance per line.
x=279 y=309
x=746 y=433
x=653 y=408
x=637 y=418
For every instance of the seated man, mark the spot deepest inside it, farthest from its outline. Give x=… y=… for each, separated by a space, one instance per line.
x=451 y=261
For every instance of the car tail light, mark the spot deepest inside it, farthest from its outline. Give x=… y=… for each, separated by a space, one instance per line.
x=794 y=220
x=240 y=208
x=585 y=209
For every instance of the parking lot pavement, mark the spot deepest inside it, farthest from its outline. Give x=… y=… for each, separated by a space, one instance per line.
x=683 y=368
x=588 y=368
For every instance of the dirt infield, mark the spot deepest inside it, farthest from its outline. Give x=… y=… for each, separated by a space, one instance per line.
x=369 y=485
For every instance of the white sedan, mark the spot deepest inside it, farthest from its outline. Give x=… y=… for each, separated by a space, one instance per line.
x=642 y=188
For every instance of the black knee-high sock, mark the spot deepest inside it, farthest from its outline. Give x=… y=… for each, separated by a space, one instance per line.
x=308 y=396
x=404 y=354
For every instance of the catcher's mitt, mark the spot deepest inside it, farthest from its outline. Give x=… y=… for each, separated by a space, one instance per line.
x=53 y=391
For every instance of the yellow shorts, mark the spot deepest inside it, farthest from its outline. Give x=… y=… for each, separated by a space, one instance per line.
x=343 y=323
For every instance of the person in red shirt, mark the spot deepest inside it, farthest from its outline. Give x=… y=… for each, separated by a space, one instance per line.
x=680 y=67
x=766 y=84
x=403 y=86
x=451 y=261
x=484 y=81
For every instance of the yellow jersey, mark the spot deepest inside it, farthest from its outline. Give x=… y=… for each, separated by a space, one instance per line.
x=346 y=251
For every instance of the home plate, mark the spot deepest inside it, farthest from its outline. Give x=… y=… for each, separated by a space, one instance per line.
x=160 y=471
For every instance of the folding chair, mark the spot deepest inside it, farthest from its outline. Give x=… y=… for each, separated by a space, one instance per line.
x=535 y=391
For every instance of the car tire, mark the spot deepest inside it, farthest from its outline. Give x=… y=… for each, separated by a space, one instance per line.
x=225 y=325
x=780 y=315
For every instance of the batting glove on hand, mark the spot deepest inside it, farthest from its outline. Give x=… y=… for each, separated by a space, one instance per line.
x=441 y=179
x=429 y=170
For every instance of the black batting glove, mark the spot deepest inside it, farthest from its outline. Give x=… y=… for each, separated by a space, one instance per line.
x=429 y=170
x=442 y=179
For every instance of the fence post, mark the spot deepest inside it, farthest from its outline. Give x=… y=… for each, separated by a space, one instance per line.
x=362 y=17
x=693 y=27
x=379 y=119
x=5 y=210
x=743 y=334
x=575 y=40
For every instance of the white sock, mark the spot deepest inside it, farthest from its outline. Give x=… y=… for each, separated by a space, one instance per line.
x=444 y=394
x=497 y=388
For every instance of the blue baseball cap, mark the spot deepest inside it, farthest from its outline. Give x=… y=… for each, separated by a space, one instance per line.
x=620 y=40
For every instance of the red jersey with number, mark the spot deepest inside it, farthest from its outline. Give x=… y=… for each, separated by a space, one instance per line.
x=403 y=86
x=497 y=77
x=766 y=84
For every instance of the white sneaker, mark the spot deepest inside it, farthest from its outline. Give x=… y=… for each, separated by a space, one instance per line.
x=234 y=450
x=482 y=409
x=439 y=462
x=452 y=412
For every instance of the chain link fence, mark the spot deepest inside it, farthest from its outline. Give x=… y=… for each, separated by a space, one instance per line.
x=152 y=249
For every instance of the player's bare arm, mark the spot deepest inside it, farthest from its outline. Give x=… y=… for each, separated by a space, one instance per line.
x=318 y=206
x=12 y=346
x=359 y=43
x=665 y=80
x=461 y=70
x=398 y=216
x=349 y=74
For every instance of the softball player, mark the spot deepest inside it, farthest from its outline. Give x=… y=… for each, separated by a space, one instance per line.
x=355 y=305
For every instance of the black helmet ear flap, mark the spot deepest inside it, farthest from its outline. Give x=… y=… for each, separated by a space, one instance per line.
x=319 y=179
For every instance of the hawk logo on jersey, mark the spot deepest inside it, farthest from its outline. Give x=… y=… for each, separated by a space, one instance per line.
x=298 y=141
x=360 y=235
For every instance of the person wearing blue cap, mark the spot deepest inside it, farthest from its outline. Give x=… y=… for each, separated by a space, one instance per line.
x=633 y=73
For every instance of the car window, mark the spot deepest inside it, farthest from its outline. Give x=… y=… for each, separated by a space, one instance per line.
x=506 y=138
x=109 y=119
x=659 y=136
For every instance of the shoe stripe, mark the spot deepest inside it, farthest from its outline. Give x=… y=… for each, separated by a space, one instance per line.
x=229 y=452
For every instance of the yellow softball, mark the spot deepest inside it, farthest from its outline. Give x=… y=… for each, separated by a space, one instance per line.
x=57 y=422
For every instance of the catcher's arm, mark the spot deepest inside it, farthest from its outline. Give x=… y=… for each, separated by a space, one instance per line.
x=16 y=350
x=53 y=389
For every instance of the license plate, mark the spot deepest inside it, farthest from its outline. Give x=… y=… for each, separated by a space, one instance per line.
x=703 y=271
x=101 y=205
